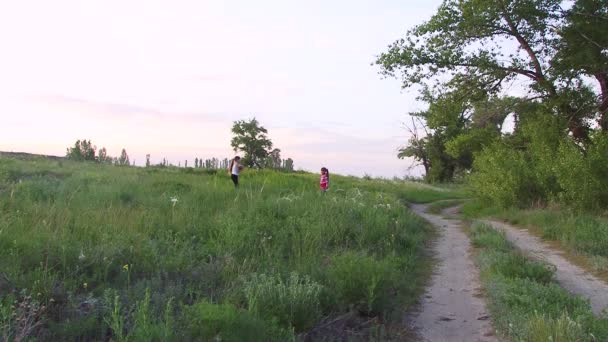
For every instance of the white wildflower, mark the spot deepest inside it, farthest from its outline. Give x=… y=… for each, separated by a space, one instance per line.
x=174 y=200
x=81 y=256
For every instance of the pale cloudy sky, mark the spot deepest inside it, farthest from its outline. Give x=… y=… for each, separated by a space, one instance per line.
x=169 y=77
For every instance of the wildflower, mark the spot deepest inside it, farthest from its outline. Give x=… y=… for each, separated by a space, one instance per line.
x=85 y=285
x=174 y=200
x=81 y=256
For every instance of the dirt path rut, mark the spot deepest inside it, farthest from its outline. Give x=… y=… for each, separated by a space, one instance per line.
x=573 y=278
x=452 y=308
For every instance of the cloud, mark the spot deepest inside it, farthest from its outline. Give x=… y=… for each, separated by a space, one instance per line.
x=117 y=110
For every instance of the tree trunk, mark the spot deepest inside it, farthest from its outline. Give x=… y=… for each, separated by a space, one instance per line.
x=602 y=78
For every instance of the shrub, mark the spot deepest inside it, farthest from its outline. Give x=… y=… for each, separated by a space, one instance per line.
x=504 y=177
x=583 y=175
x=205 y=321
x=294 y=302
x=362 y=282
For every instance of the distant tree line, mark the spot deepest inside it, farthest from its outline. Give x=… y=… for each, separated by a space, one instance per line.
x=249 y=138
x=84 y=150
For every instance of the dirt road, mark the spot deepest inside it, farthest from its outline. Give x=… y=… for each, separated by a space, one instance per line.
x=571 y=277
x=453 y=308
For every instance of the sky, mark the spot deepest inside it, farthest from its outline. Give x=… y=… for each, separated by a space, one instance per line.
x=168 y=78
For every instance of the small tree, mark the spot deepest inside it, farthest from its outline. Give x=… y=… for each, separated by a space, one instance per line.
x=103 y=157
x=82 y=150
x=251 y=138
x=123 y=160
x=147 y=160
x=288 y=165
x=274 y=159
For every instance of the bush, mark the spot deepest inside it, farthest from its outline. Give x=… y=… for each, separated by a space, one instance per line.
x=294 y=302
x=205 y=321
x=503 y=176
x=543 y=165
x=583 y=175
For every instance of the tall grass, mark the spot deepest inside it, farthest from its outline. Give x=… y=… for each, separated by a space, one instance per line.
x=526 y=303
x=127 y=252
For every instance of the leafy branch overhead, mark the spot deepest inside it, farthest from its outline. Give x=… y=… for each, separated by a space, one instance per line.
x=488 y=43
x=511 y=87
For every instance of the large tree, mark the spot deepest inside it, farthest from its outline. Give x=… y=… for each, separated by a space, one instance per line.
x=468 y=55
x=490 y=43
x=583 y=49
x=252 y=139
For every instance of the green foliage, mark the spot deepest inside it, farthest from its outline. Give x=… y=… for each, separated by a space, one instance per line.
x=103 y=156
x=560 y=53
x=583 y=175
x=504 y=176
x=252 y=139
x=363 y=281
x=123 y=160
x=82 y=150
x=205 y=321
x=294 y=302
x=466 y=38
x=551 y=167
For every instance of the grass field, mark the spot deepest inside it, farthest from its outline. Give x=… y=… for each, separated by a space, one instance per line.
x=526 y=302
x=97 y=252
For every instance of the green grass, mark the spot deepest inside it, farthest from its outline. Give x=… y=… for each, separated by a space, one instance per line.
x=165 y=253
x=583 y=233
x=525 y=301
x=438 y=206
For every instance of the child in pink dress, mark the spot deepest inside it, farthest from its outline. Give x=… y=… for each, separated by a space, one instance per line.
x=324 y=183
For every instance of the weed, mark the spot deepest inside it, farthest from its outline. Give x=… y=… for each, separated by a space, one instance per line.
x=294 y=302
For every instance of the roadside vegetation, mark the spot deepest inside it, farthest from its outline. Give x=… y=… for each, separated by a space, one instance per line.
x=584 y=234
x=525 y=301
x=95 y=251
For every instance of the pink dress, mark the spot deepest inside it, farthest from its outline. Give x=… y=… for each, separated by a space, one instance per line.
x=324 y=183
